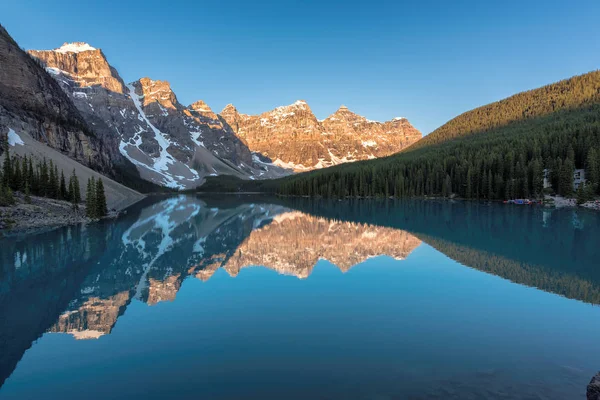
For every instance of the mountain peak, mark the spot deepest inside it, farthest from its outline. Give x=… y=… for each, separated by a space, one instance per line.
x=343 y=108
x=200 y=106
x=229 y=108
x=74 y=47
x=157 y=91
x=154 y=82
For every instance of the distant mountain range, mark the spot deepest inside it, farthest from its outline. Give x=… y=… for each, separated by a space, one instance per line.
x=90 y=114
x=498 y=151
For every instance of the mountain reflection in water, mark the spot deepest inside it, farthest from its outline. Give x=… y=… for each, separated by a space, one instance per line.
x=80 y=279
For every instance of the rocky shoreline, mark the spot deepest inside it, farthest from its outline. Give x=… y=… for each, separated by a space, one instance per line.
x=560 y=202
x=39 y=214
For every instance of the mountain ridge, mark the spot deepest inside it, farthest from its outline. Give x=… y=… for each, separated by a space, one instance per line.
x=178 y=146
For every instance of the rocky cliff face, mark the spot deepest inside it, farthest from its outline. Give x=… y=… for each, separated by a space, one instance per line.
x=292 y=137
x=32 y=102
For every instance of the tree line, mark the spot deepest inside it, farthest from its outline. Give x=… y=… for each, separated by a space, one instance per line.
x=42 y=178
x=487 y=153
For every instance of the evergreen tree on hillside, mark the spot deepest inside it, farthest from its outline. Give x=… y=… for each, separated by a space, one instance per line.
x=16 y=178
x=592 y=169
x=52 y=189
x=56 y=183
x=64 y=193
x=24 y=173
x=31 y=177
x=90 y=199
x=44 y=178
x=101 y=208
x=6 y=166
x=74 y=190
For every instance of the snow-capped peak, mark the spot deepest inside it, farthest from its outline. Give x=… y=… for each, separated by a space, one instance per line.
x=75 y=47
x=398 y=119
x=300 y=103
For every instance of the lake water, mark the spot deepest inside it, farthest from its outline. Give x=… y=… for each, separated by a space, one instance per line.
x=258 y=298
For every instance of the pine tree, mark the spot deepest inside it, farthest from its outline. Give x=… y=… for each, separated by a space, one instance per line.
x=24 y=174
x=74 y=190
x=565 y=187
x=31 y=177
x=16 y=178
x=593 y=168
x=55 y=183
x=44 y=178
x=64 y=193
x=52 y=190
x=90 y=199
x=101 y=209
x=6 y=167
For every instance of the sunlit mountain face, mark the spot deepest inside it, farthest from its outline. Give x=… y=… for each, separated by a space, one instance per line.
x=81 y=280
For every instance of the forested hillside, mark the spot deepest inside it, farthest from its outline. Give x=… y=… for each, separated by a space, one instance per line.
x=497 y=151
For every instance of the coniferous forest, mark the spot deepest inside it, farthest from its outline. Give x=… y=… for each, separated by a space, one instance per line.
x=498 y=151
x=42 y=178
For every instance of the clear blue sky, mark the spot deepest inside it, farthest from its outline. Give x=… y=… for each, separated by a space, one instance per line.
x=425 y=60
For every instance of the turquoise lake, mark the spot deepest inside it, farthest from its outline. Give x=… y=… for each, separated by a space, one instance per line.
x=250 y=297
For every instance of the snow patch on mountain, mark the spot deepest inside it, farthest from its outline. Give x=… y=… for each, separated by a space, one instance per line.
x=369 y=143
x=162 y=162
x=14 y=139
x=76 y=47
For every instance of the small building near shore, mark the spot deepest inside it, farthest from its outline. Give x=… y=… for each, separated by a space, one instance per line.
x=578 y=178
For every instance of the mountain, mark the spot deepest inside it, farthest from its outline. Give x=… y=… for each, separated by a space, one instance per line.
x=498 y=151
x=170 y=144
x=32 y=102
x=42 y=122
x=178 y=146
x=292 y=137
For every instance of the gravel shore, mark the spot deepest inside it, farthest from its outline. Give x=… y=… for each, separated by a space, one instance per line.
x=560 y=202
x=41 y=213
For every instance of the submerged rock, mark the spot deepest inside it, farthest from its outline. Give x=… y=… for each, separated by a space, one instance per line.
x=593 y=388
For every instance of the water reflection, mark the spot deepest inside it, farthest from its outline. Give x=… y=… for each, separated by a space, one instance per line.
x=80 y=280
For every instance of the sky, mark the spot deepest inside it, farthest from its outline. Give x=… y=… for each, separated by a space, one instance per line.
x=428 y=61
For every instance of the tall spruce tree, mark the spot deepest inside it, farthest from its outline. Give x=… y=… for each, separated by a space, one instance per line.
x=101 y=208
x=52 y=189
x=74 y=189
x=6 y=166
x=24 y=174
x=64 y=193
x=90 y=199
x=16 y=178
x=56 y=183
x=44 y=178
